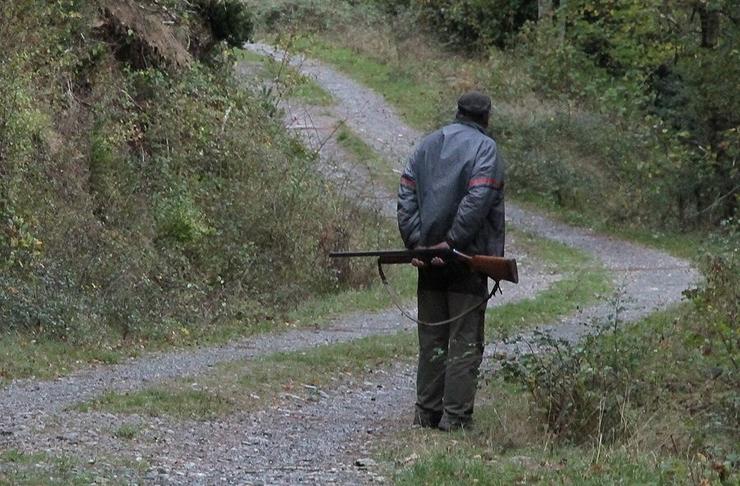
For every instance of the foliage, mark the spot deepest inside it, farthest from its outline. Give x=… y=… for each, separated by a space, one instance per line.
x=143 y=205
x=599 y=390
x=644 y=64
x=475 y=24
x=230 y=20
x=310 y=15
x=584 y=391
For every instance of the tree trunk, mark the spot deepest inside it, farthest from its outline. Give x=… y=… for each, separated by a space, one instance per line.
x=544 y=9
x=562 y=17
x=709 y=20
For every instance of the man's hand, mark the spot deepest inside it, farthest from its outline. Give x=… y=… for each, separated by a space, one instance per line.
x=436 y=261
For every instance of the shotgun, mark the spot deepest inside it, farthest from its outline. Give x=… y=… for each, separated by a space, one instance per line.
x=497 y=268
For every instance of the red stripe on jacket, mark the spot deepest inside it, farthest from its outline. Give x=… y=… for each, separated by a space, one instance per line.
x=485 y=181
x=408 y=182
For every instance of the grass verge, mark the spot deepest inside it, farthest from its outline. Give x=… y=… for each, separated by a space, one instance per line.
x=288 y=81
x=25 y=357
x=678 y=429
x=416 y=100
x=43 y=469
x=244 y=386
x=381 y=170
x=301 y=375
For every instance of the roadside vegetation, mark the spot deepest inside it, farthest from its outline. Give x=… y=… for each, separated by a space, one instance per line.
x=651 y=403
x=149 y=196
x=45 y=469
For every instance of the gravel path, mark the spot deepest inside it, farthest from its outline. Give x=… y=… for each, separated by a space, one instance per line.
x=300 y=441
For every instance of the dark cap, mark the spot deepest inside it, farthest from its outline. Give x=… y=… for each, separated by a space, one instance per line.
x=474 y=104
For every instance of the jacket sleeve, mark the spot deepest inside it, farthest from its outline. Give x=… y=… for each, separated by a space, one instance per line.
x=409 y=220
x=475 y=205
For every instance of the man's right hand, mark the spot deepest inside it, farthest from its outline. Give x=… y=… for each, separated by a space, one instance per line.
x=436 y=261
x=418 y=263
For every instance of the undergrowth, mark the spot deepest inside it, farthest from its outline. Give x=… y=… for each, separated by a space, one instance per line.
x=147 y=200
x=584 y=144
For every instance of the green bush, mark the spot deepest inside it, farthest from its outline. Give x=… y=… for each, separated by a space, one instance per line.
x=585 y=392
x=476 y=24
x=230 y=20
x=141 y=204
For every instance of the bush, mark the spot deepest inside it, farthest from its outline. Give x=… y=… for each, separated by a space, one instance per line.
x=141 y=204
x=230 y=20
x=678 y=367
x=477 y=24
x=585 y=392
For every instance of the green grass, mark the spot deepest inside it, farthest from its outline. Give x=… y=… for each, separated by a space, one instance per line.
x=679 y=433
x=585 y=282
x=531 y=466
x=251 y=384
x=182 y=403
x=302 y=374
x=126 y=432
x=25 y=357
x=294 y=84
x=416 y=101
x=563 y=298
x=311 y=93
x=381 y=170
x=690 y=245
x=45 y=469
x=22 y=356
x=316 y=311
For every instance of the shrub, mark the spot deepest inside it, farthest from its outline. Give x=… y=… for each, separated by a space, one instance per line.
x=476 y=24
x=230 y=20
x=142 y=204
x=585 y=392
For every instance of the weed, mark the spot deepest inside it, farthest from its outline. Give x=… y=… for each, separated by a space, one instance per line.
x=190 y=403
x=126 y=431
x=380 y=169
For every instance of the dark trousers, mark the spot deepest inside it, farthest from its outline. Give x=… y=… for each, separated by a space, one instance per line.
x=449 y=355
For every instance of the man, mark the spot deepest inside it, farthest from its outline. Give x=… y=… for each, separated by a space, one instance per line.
x=451 y=196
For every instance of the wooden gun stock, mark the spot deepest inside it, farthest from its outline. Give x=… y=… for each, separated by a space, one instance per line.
x=497 y=268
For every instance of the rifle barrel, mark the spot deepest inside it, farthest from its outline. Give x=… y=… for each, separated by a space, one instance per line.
x=391 y=253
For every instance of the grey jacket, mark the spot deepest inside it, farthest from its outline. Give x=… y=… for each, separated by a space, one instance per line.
x=453 y=190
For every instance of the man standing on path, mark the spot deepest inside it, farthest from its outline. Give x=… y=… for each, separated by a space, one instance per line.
x=451 y=196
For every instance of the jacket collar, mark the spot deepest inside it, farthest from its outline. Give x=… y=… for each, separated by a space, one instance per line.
x=473 y=125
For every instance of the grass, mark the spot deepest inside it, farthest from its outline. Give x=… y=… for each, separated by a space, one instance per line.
x=689 y=245
x=678 y=434
x=289 y=81
x=22 y=356
x=182 y=403
x=381 y=170
x=417 y=101
x=314 y=312
x=126 y=432
x=563 y=298
x=301 y=375
x=44 y=469
x=311 y=93
x=296 y=375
